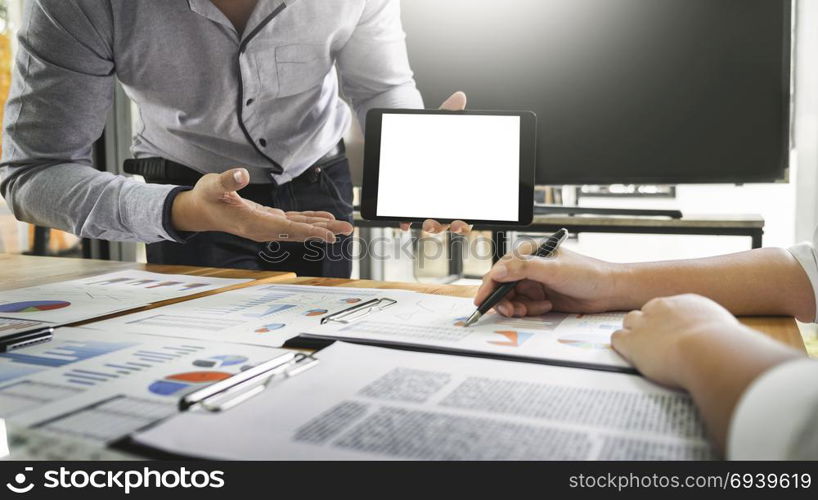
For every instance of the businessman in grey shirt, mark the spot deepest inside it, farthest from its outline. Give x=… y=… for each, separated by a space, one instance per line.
x=237 y=98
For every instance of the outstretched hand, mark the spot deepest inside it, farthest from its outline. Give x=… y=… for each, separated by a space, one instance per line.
x=214 y=204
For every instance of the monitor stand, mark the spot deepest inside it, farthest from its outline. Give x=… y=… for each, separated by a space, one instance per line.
x=622 y=212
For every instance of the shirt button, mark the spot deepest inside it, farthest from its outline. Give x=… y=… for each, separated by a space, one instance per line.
x=263 y=142
x=250 y=101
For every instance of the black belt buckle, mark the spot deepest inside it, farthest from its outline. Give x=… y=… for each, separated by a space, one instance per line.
x=312 y=174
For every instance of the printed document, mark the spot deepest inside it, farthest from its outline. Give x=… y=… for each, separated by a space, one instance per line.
x=372 y=403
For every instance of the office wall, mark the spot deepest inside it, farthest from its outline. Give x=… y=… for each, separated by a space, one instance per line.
x=806 y=118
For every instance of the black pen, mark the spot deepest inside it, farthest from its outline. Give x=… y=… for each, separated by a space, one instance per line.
x=547 y=249
x=27 y=338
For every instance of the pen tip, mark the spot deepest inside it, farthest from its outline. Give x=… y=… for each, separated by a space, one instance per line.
x=474 y=318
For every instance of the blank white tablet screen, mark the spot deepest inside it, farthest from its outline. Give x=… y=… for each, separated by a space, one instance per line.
x=449 y=167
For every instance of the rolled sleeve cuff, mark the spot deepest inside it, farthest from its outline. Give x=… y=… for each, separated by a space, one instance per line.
x=170 y=233
x=806 y=256
x=773 y=413
x=399 y=97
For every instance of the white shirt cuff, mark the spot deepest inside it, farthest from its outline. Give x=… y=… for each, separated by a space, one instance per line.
x=806 y=256
x=775 y=417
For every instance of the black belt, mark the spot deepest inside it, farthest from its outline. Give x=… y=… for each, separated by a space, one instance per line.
x=161 y=170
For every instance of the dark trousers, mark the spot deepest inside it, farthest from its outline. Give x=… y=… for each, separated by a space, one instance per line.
x=330 y=191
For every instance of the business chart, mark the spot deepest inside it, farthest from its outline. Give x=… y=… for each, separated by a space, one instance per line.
x=76 y=300
x=101 y=386
x=266 y=315
x=435 y=321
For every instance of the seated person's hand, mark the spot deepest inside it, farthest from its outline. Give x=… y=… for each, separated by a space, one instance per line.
x=215 y=205
x=456 y=102
x=658 y=339
x=566 y=282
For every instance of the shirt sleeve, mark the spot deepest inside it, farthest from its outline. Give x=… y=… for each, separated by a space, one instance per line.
x=374 y=64
x=777 y=417
x=61 y=93
x=806 y=255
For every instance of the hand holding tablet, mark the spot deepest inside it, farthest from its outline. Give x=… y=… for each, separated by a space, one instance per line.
x=449 y=165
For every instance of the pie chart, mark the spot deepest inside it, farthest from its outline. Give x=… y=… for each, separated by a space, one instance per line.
x=270 y=328
x=182 y=381
x=33 y=306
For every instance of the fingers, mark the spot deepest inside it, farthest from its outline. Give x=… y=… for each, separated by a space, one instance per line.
x=434 y=227
x=460 y=227
x=620 y=341
x=532 y=307
x=213 y=187
x=632 y=320
x=456 y=102
x=339 y=226
x=234 y=180
x=270 y=224
x=505 y=308
x=301 y=231
x=533 y=268
x=522 y=307
x=320 y=215
x=485 y=289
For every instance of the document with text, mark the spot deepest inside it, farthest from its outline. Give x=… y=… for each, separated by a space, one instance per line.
x=372 y=403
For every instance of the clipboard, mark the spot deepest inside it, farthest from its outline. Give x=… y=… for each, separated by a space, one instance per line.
x=233 y=391
x=358 y=311
x=222 y=396
x=318 y=341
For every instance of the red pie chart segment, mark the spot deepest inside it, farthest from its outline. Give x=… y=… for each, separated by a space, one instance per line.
x=199 y=377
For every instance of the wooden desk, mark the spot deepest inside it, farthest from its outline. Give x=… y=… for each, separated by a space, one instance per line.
x=21 y=271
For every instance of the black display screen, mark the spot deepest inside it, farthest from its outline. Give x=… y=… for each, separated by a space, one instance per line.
x=626 y=91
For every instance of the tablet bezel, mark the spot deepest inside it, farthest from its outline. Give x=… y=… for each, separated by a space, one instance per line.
x=372 y=156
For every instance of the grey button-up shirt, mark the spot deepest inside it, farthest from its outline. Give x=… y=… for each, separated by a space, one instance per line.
x=208 y=97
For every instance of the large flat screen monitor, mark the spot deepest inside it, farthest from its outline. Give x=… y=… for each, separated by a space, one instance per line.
x=626 y=91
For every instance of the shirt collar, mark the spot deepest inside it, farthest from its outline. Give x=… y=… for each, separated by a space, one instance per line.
x=207 y=9
x=263 y=10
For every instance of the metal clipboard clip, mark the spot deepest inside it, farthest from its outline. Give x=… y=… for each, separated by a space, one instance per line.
x=242 y=386
x=358 y=311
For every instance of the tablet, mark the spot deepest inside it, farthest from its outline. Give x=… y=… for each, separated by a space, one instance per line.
x=476 y=166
